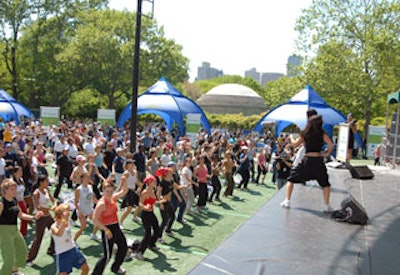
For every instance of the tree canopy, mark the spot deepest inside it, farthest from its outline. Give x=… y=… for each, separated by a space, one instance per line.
x=352 y=50
x=58 y=48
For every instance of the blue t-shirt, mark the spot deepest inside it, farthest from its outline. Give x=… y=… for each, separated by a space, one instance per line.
x=244 y=165
x=119 y=164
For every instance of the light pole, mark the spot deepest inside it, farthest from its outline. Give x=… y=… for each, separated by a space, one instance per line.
x=135 y=72
x=135 y=75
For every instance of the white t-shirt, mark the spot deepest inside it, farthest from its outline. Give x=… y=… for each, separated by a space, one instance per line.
x=2 y=165
x=186 y=171
x=63 y=243
x=165 y=159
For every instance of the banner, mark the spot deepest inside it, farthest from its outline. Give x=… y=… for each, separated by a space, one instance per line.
x=50 y=115
x=192 y=126
x=342 y=141
x=375 y=134
x=106 y=116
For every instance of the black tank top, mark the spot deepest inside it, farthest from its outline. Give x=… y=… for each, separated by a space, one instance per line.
x=167 y=187
x=9 y=216
x=313 y=143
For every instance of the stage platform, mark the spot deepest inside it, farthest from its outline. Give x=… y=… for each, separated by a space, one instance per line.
x=303 y=240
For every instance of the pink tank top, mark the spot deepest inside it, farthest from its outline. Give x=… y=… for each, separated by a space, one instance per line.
x=202 y=174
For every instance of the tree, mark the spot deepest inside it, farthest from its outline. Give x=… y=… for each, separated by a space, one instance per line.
x=367 y=33
x=13 y=14
x=279 y=91
x=99 y=54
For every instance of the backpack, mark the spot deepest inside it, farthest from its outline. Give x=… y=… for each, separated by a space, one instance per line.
x=352 y=212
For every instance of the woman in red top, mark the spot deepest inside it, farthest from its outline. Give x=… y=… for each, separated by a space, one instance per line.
x=201 y=173
x=105 y=217
x=147 y=200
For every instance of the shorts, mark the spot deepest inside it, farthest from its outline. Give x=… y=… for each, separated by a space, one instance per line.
x=131 y=199
x=69 y=259
x=310 y=169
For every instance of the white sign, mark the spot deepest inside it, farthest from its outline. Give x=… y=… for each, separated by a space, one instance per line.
x=192 y=126
x=49 y=115
x=375 y=134
x=106 y=116
x=342 y=142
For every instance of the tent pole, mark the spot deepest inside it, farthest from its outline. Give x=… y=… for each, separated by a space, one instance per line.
x=135 y=76
x=387 y=133
x=396 y=135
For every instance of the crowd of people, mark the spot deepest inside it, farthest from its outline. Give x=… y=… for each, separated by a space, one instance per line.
x=95 y=164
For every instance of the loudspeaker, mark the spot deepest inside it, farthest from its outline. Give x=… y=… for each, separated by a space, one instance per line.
x=361 y=172
x=355 y=212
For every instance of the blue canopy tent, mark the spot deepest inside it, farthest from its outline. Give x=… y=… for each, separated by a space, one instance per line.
x=166 y=101
x=294 y=112
x=12 y=109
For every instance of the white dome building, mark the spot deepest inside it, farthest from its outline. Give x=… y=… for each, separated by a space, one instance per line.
x=232 y=99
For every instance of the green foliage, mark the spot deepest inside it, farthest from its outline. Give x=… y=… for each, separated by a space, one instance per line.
x=81 y=45
x=352 y=53
x=233 y=121
x=279 y=91
x=84 y=104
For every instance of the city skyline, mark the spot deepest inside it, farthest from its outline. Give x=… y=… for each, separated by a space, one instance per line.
x=228 y=34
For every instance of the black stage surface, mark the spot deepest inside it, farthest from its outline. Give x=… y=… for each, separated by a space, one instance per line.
x=303 y=240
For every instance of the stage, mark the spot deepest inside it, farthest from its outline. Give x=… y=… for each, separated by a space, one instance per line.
x=303 y=240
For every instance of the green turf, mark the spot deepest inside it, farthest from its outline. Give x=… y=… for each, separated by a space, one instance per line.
x=192 y=242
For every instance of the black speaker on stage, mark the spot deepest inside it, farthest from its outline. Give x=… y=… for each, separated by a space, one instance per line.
x=361 y=172
x=355 y=212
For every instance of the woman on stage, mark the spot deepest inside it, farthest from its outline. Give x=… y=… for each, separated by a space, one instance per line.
x=312 y=167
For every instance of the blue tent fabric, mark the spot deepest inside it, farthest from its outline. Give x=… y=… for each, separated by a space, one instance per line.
x=12 y=109
x=294 y=112
x=166 y=101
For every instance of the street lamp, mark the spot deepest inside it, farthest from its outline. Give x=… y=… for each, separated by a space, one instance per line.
x=135 y=72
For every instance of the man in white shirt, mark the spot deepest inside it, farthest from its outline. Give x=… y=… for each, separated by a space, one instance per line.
x=88 y=146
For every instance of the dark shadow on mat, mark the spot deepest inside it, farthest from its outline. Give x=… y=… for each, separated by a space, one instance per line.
x=44 y=270
x=176 y=245
x=161 y=263
x=185 y=230
x=236 y=198
x=317 y=213
x=95 y=249
x=225 y=206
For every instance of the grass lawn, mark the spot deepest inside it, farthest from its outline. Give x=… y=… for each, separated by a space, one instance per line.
x=192 y=242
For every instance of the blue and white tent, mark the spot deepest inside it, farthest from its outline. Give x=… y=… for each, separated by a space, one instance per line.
x=166 y=101
x=12 y=109
x=294 y=112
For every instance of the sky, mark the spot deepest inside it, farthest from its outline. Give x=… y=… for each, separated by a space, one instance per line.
x=232 y=35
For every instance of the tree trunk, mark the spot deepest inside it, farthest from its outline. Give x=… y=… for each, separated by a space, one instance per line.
x=111 y=100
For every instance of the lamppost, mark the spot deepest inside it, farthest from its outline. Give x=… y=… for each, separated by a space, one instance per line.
x=135 y=72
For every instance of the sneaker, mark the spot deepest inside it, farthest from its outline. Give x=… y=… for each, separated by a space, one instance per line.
x=136 y=219
x=119 y=271
x=139 y=256
x=327 y=209
x=160 y=240
x=73 y=223
x=285 y=204
x=183 y=221
x=94 y=237
x=17 y=273
x=29 y=264
x=129 y=257
x=121 y=227
x=170 y=234
x=154 y=248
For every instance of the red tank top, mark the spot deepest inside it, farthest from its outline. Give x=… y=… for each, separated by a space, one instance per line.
x=202 y=174
x=150 y=200
x=109 y=216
